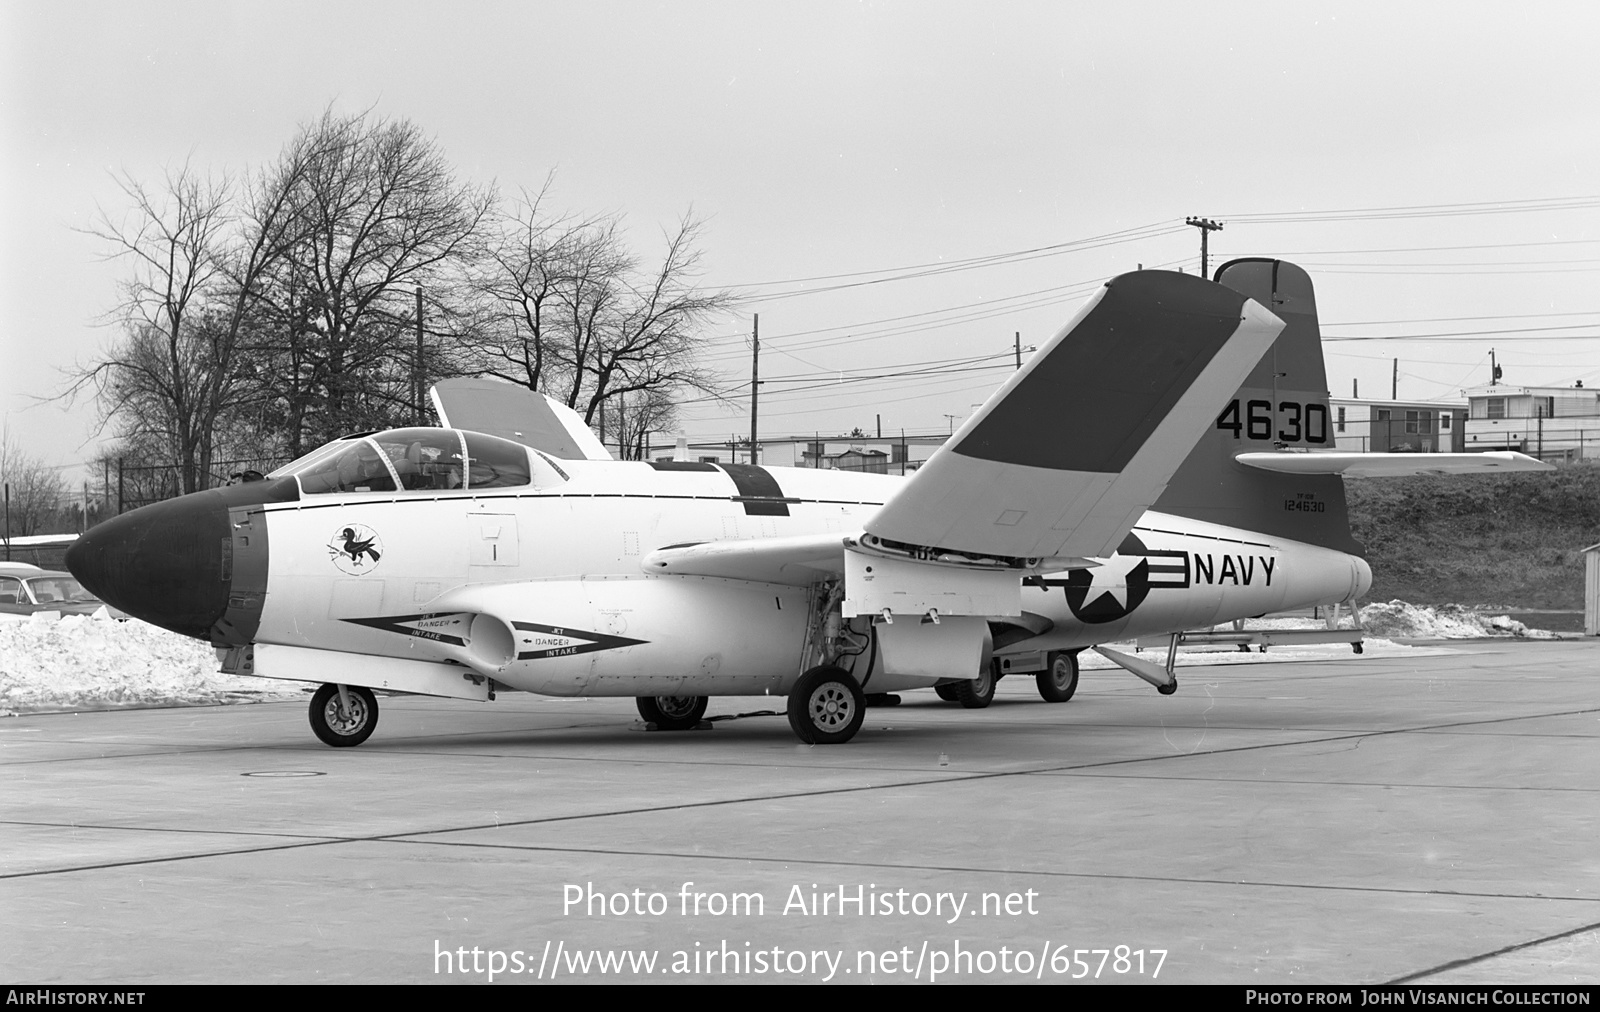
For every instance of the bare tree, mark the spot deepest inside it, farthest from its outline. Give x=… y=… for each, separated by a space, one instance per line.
x=200 y=248
x=37 y=495
x=567 y=310
x=268 y=313
x=518 y=284
x=638 y=417
x=379 y=213
x=644 y=330
x=158 y=378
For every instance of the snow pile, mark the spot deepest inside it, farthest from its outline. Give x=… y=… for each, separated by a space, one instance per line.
x=85 y=662
x=1445 y=621
x=1414 y=621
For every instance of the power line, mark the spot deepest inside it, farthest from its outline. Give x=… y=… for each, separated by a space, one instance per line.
x=1435 y=249
x=960 y=266
x=1423 y=210
x=1467 y=263
x=1460 y=319
x=1458 y=273
x=985 y=310
x=1471 y=334
x=1090 y=242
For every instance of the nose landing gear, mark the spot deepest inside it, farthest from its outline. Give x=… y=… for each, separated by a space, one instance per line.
x=343 y=715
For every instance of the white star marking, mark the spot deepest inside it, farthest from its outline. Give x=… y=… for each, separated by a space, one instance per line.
x=1111 y=578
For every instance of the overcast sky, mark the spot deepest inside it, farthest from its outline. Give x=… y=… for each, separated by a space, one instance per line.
x=841 y=138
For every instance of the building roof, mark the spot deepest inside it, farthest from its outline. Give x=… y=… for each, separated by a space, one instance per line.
x=1383 y=402
x=1506 y=390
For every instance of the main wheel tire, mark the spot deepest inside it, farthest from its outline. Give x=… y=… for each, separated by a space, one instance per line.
x=1059 y=681
x=946 y=692
x=673 y=713
x=337 y=728
x=978 y=693
x=826 y=706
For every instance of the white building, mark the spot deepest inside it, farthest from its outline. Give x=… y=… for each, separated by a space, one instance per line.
x=1551 y=423
x=1373 y=426
x=899 y=454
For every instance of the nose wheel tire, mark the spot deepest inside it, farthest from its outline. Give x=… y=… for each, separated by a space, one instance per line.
x=1059 y=681
x=337 y=726
x=826 y=706
x=978 y=693
x=672 y=713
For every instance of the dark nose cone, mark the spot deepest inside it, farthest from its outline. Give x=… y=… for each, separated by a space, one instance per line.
x=171 y=563
x=162 y=563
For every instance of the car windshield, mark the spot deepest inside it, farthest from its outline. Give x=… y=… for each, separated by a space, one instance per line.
x=60 y=590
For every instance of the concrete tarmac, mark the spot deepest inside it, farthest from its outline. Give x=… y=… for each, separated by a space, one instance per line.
x=1429 y=819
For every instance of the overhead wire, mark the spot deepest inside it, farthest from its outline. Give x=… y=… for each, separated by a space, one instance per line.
x=934 y=268
x=1420 y=210
x=973 y=312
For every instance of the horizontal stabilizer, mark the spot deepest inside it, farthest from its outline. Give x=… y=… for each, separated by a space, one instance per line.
x=516 y=413
x=1065 y=457
x=796 y=562
x=1393 y=465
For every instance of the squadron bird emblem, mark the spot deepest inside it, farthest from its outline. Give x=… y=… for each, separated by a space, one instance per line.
x=355 y=549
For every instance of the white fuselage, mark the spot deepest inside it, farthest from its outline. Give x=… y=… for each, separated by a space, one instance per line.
x=558 y=568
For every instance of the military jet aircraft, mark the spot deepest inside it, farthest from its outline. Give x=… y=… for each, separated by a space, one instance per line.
x=1164 y=462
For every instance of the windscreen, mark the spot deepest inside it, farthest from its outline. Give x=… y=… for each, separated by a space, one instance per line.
x=415 y=460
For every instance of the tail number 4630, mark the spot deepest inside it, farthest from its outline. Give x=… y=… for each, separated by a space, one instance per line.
x=1297 y=423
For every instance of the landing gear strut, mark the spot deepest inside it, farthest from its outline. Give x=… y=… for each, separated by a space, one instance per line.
x=343 y=715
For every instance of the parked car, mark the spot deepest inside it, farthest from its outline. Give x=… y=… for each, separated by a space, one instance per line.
x=24 y=591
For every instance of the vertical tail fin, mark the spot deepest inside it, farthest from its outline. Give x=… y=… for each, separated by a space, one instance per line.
x=1282 y=404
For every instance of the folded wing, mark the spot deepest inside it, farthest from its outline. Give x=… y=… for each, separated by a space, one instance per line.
x=1064 y=458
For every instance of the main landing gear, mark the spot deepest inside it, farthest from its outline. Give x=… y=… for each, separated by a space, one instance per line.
x=344 y=715
x=672 y=713
x=974 y=694
x=826 y=706
x=978 y=693
x=1059 y=680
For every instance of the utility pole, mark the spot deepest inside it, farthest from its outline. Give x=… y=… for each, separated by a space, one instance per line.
x=755 y=381
x=1019 y=349
x=1394 y=386
x=1494 y=369
x=622 y=425
x=1206 y=227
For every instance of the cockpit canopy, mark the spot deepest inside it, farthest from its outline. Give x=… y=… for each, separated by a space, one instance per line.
x=421 y=460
